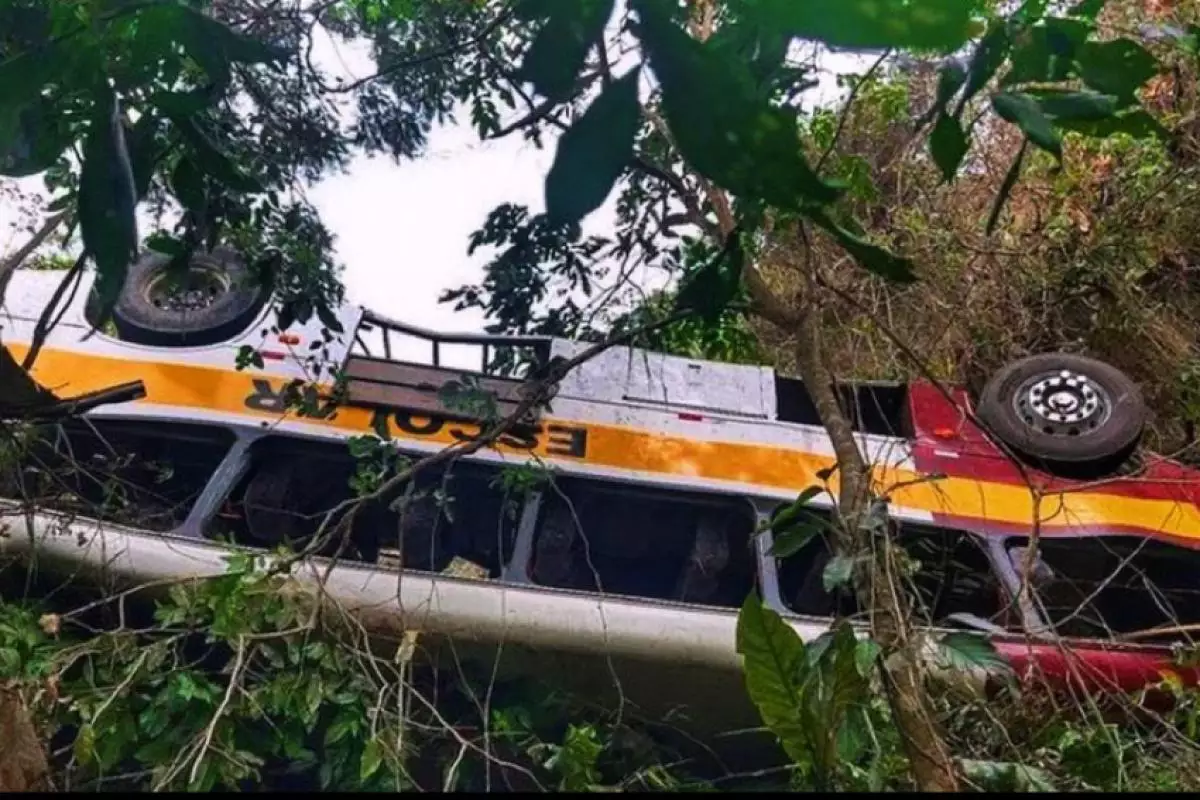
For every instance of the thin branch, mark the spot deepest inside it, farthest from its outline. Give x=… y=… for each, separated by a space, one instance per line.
x=417 y=61
x=10 y=264
x=74 y=406
x=534 y=393
x=845 y=115
x=44 y=325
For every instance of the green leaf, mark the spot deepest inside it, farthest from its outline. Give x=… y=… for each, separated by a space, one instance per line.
x=866 y=654
x=594 y=152
x=775 y=663
x=788 y=514
x=1010 y=180
x=871 y=256
x=1119 y=67
x=372 y=757
x=793 y=538
x=22 y=78
x=837 y=572
x=1007 y=776
x=84 y=746
x=710 y=289
x=1076 y=106
x=792 y=527
x=212 y=161
x=208 y=40
x=948 y=145
x=38 y=139
x=107 y=203
x=991 y=52
x=950 y=79
x=937 y=25
x=1138 y=123
x=1087 y=9
x=143 y=151
x=964 y=650
x=1047 y=52
x=559 y=50
x=742 y=143
x=1023 y=111
x=188 y=185
x=182 y=104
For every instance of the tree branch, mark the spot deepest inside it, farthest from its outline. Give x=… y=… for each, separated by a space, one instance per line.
x=10 y=264
x=417 y=61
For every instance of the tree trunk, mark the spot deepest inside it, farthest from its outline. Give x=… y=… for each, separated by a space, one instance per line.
x=876 y=583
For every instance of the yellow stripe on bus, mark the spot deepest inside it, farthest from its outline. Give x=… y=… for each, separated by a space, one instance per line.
x=770 y=466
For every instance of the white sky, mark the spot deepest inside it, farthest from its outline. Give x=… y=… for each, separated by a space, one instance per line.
x=402 y=229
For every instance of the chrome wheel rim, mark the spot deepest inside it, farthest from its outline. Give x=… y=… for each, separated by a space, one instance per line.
x=1062 y=403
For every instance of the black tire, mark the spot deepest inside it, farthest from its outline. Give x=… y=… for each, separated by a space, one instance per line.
x=1064 y=412
x=226 y=296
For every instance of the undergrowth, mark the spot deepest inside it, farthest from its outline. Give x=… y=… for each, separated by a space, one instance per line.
x=235 y=683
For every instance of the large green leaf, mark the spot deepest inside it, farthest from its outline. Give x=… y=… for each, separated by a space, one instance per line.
x=557 y=54
x=836 y=688
x=774 y=663
x=211 y=43
x=144 y=151
x=22 y=111
x=1087 y=9
x=594 y=152
x=948 y=144
x=837 y=573
x=36 y=140
x=1007 y=776
x=715 y=285
x=107 y=202
x=1047 y=52
x=871 y=256
x=724 y=129
x=792 y=539
x=1066 y=106
x=1119 y=67
x=963 y=650
x=187 y=182
x=1023 y=111
x=937 y=25
x=989 y=55
x=1138 y=123
x=792 y=527
x=212 y=160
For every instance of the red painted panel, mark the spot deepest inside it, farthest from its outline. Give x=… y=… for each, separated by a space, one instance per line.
x=1092 y=668
x=968 y=453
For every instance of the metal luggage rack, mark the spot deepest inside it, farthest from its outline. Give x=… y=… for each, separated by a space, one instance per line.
x=488 y=344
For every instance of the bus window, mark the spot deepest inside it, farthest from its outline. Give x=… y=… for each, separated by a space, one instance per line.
x=132 y=472
x=952 y=576
x=617 y=539
x=1099 y=586
x=294 y=485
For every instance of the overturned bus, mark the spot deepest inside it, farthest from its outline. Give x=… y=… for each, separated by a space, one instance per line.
x=634 y=542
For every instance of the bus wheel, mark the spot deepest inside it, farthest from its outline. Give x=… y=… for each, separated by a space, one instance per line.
x=214 y=299
x=1066 y=412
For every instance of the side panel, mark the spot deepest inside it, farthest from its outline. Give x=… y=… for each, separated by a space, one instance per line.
x=285 y=354
x=627 y=376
